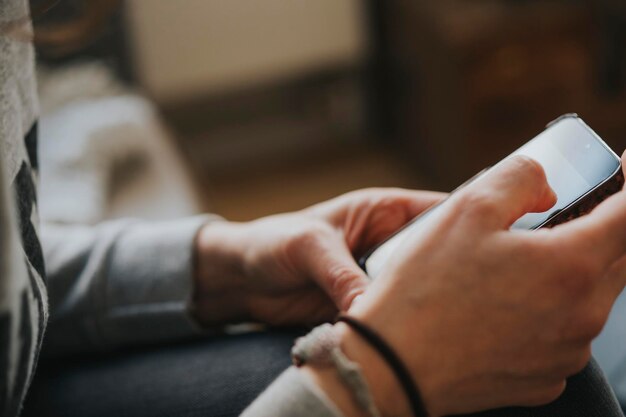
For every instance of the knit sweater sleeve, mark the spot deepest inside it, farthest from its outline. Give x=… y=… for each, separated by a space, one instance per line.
x=292 y=394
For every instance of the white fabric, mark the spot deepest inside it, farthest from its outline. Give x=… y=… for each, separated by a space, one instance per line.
x=292 y=394
x=105 y=154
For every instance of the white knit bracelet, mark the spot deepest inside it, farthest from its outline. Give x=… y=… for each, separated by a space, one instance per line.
x=321 y=347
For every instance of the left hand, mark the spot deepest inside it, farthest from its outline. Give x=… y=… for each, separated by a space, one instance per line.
x=296 y=268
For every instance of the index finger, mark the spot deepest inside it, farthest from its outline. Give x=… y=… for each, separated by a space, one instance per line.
x=516 y=186
x=601 y=232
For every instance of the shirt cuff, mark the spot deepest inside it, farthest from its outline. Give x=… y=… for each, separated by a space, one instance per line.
x=151 y=283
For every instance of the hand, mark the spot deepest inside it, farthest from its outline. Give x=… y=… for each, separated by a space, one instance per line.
x=486 y=317
x=296 y=268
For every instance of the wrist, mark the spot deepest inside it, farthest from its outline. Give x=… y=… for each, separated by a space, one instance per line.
x=383 y=388
x=387 y=393
x=219 y=274
x=414 y=352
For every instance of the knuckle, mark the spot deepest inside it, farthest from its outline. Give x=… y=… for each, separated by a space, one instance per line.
x=538 y=251
x=529 y=167
x=575 y=362
x=591 y=323
x=583 y=325
x=310 y=234
x=547 y=394
x=476 y=203
x=341 y=275
x=303 y=240
x=581 y=361
x=360 y=193
x=584 y=250
x=366 y=193
x=342 y=279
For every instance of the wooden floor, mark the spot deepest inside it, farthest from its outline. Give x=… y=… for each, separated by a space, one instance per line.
x=288 y=187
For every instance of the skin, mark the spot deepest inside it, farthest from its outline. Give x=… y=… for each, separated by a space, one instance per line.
x=297 y=268
x=482 y=316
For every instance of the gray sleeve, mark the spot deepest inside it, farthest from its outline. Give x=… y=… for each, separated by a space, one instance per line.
x=118 y=283
x=292 y=394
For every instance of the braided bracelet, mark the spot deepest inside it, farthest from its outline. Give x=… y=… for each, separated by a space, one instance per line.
x=321 y=347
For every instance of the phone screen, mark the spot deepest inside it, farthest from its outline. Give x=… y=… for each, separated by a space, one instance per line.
x=575 y=161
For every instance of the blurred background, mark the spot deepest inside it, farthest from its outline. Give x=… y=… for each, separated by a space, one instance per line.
x=247 y=108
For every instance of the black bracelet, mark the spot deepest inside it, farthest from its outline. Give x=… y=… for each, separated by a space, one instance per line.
x=394 y=362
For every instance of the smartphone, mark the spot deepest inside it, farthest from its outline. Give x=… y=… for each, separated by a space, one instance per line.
x=579 y=166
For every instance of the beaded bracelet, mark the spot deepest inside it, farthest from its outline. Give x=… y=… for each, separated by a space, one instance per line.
x=321 y=347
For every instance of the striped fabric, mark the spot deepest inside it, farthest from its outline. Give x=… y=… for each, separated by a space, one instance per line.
x=23 y=300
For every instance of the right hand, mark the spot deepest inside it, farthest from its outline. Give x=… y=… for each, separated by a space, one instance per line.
x=486 y=317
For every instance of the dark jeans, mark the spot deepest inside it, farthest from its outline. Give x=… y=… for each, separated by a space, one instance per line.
x=219 y=377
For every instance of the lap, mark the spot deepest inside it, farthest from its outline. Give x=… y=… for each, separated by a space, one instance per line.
x=219 y=377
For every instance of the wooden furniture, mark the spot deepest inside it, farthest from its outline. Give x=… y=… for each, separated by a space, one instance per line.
x=475 y=79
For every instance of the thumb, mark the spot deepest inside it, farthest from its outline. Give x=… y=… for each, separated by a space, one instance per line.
x=336 y=272
x=516 y=186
